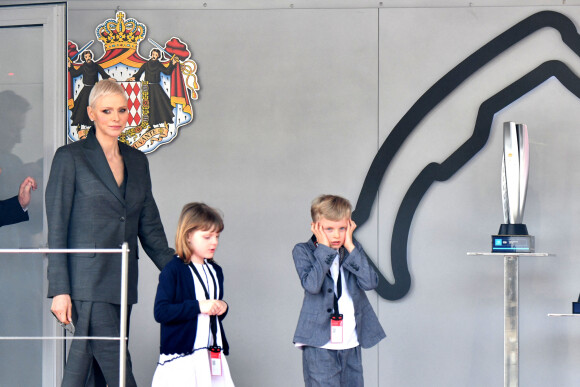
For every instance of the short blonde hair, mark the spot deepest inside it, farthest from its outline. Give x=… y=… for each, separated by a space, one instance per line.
x=195 y=217
x=331 y=207
x=104 y=88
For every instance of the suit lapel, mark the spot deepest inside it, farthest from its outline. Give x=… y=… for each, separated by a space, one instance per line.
x=98 y=163
x=133 y=175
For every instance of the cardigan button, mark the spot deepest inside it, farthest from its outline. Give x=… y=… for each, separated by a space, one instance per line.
x=329 y=310
x=329 y=290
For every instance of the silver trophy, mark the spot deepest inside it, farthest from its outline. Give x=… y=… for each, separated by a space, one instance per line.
x=515 y=168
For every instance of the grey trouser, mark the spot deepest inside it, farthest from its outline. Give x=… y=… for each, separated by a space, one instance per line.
x=96 y=319
x=336 y=368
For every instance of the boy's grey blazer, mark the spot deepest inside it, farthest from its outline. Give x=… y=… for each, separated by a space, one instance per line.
x=313 y=264
x=86 y=209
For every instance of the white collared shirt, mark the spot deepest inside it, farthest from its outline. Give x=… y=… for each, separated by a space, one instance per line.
x=346 y=308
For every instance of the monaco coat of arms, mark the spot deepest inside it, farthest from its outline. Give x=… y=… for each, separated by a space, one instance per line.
x=160 y=89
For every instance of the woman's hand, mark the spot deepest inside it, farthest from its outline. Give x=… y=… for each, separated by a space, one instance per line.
x=62 y=308
x=213 y=307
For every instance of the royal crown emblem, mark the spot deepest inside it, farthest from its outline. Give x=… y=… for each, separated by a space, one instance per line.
x=121 y=33
x=160 y=89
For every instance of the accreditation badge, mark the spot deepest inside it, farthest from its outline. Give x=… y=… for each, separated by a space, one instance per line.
x=215 y=361
x=336 y=329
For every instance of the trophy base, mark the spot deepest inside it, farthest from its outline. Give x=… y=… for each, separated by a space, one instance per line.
x=513 y=229
x=512 y=238
x=512 y=244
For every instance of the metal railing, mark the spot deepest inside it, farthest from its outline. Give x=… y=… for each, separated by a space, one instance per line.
x=124 y=250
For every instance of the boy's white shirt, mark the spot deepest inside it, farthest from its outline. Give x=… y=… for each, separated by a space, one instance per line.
x=346 y=308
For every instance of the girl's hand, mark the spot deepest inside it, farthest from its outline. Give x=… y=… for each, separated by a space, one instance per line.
x=213 y=307
x=223 y=307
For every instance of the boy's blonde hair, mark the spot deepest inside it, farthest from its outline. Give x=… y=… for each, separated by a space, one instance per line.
x=104 y=88
x=195 y=217
x=331 y=207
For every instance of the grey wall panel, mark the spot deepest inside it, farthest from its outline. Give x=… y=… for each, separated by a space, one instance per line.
x=451 y=322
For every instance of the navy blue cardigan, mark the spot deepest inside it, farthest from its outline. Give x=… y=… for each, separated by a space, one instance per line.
x=176 y=308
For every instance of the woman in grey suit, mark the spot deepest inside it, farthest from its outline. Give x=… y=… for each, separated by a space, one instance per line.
x=99 y=196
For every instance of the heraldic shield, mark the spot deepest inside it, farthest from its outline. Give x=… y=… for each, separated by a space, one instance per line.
x=160 y=89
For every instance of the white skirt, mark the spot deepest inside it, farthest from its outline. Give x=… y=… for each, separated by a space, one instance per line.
x=191 y=370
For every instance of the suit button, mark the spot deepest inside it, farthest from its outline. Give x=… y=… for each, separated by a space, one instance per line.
x=329 y=290
x=329 y=310
x=122 y=218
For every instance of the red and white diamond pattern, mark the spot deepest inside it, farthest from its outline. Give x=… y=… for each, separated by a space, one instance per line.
x=133 y=90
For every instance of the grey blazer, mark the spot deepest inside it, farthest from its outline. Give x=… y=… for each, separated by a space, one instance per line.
x=86 y=209
x=313 y=264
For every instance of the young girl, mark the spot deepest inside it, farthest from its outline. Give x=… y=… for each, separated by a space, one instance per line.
x=190 y=308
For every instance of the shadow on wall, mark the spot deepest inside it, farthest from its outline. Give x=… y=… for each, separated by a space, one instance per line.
x=443 y=171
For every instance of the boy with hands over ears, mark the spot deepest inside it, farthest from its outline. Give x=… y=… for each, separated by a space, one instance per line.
x=336 y=318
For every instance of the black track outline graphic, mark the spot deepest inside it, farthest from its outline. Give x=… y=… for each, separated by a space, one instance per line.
x=441 y=172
